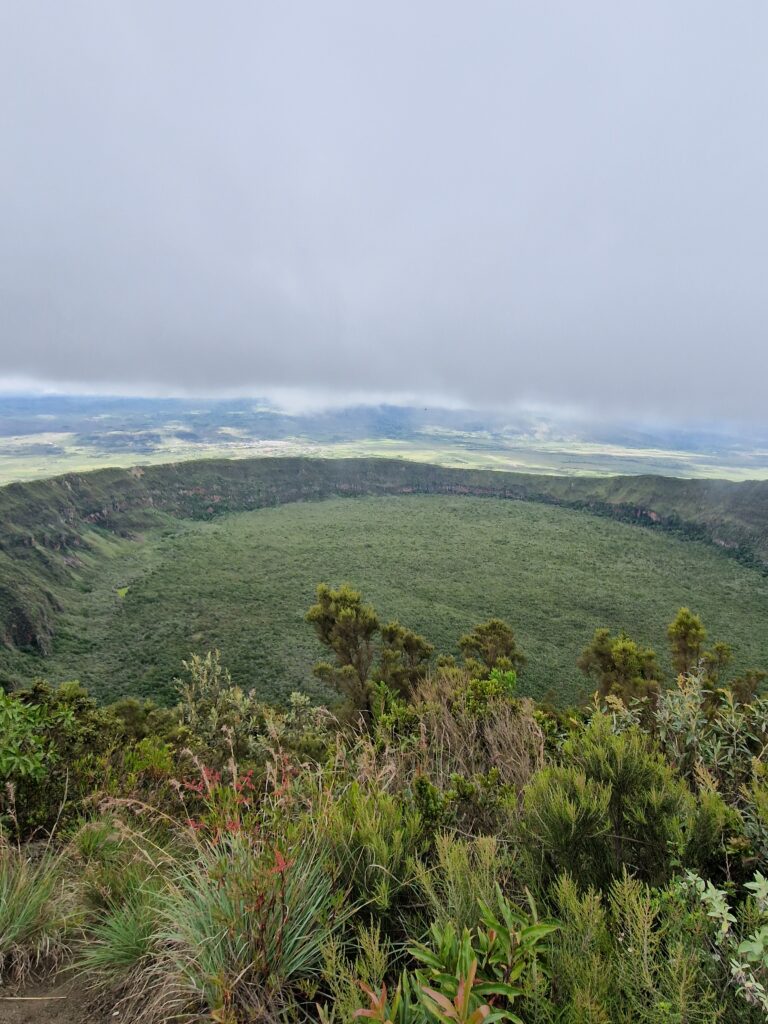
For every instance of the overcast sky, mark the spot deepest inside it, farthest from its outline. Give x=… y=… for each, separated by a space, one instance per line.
x=554 y=202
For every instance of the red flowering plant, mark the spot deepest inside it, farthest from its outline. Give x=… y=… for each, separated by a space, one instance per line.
x=255 y=905
x=219 y=802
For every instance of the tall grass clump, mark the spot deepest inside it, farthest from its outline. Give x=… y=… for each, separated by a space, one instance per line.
x=233 y=929
x=245 y=922
x=35 y=915
x=120 y=954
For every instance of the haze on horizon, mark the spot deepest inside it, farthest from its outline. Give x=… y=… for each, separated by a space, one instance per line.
x=556 y=204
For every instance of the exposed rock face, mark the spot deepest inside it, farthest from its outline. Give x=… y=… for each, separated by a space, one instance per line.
x=26 y=625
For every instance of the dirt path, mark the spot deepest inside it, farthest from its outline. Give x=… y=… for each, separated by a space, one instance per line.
x=54 y=1003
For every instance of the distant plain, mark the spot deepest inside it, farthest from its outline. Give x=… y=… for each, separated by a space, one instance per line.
x=47 y=435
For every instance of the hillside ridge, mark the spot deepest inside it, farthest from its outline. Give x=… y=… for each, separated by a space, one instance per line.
x=47 y=525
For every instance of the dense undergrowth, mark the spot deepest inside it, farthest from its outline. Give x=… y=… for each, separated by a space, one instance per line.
x=439 y=849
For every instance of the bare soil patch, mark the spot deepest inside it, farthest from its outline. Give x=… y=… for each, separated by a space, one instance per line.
x=54 y=1002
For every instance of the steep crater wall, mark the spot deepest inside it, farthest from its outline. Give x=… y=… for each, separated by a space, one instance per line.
x=46 y=524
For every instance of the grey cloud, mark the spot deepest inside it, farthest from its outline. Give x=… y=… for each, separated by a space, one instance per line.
x=497 y=202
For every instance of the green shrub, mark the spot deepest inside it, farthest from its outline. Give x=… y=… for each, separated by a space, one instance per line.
x=718 y=742
x=613 y=803
x=635 y=954
x=481 y=804
x=470 y=976
x=464 y=874
x=221 y=720
x=24 y=753
x=344 y=979
x=738 y=942
x=713 y=833
x=658 y=968
x=580 y=957
x=150 y=758
x=374 y=837
x=53 y=760
x=565 y=827
x=503 y=954
x=497 y=685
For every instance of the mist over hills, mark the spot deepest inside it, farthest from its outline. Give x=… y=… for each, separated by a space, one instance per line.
x=41 y=435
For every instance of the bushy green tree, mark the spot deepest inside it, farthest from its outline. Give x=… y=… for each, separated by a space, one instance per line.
x=491 y=645
x=349 y=628
x=565 y=827
x=220 y=719
x=620 y=666
x=346 y=626
x=139 y=719
x=23 y=753
x=686 y=635
x=720 y=745
x=52 y=744
x=612 y=804
x=404 y=658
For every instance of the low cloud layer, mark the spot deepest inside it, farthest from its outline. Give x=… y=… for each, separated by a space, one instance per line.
x=496 y=202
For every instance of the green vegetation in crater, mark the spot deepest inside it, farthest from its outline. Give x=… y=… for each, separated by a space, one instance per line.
x=243 y=582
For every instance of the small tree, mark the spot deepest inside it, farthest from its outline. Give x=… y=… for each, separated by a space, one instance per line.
x=220 y=717
x=347 y=627
x=491 y=645
x=620 y=666
x=686 y=635
x=715 y=662
x=404 y=658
